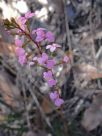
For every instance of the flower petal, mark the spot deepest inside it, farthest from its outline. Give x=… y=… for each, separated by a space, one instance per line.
x=59 y=102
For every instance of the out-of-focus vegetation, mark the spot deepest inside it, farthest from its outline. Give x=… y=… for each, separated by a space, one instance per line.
x=25 y=109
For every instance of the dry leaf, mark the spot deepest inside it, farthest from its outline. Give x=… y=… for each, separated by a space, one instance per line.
x=8 y=90
x=86 y=71
x=6 y=48
x=93 y=115
x=47 y=105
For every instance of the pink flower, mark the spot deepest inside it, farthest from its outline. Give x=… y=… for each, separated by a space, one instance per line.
x=53 y=47
x=66 y=59
x=38 y=29
x=40 y=34
x=42 y=60
x=35 y=58
x=50 y=37
x=47 y=75
x=31 y=63
x=51 y=82
x=29 y=15
x=20 y=51
x=22 y=20
x=54 y=95
x=58 y=102
x=18 y=43
x=50 y=63
x=22 y=60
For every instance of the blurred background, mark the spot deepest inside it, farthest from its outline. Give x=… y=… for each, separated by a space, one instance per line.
x=25 y=108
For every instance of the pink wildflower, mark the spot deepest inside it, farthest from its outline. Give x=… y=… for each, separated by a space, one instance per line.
x=31 y=63
x=22 y=59
x=20 y=51
x=18 y=43
x=22 y=20
x=58 y=102
x=47 y=75
x=51 y=82
x=66 y=59
x=53 y=47
x=29 y=15
x=42 y=60
x=35 y=59
x=54 y=95
x=50 y=37
x=38 y=29
x=50 y=63
x=40 y=35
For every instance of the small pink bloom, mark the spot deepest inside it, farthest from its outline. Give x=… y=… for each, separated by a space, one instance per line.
x=40 y=35
x=50 y=63
x=54 y=95
x=53 y=47
x=50 y=37
x=20 y=51
x=66 y=59
x=51 y=82
x=29 y=15
x=58 y=102
x=18 y=43
x=22 y=60
x=47 y=75
x=31 y=63
x=35 y=58
x=42 y=60
x=22 y=20
x=38 y=29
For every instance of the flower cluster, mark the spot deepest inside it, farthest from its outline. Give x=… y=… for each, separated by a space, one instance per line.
x=55 y=97
x=20 y=52
x=42 y=59
x=22 y=20
x=41 y=35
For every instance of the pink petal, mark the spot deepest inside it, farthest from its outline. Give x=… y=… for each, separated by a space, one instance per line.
x=47 y=75
x=40 y=35
x=59 y=102
x=41 y=29
x=39 y=39
x=56 y=45
x=44 y=57
x=35 y=58
x=42 y=60
x=52 y=49
x=50 y=37
x=22 y=20
x=54 y=95
x=31 y=63
x=20 y=51
x=66 y=59
x=34 y=31
x=29 y=14
x=22 y=60
x=48 y=46
x=51 y=82
x=50 y=64
x=18 y=43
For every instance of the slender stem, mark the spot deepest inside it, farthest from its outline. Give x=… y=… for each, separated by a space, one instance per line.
x=29 y=36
